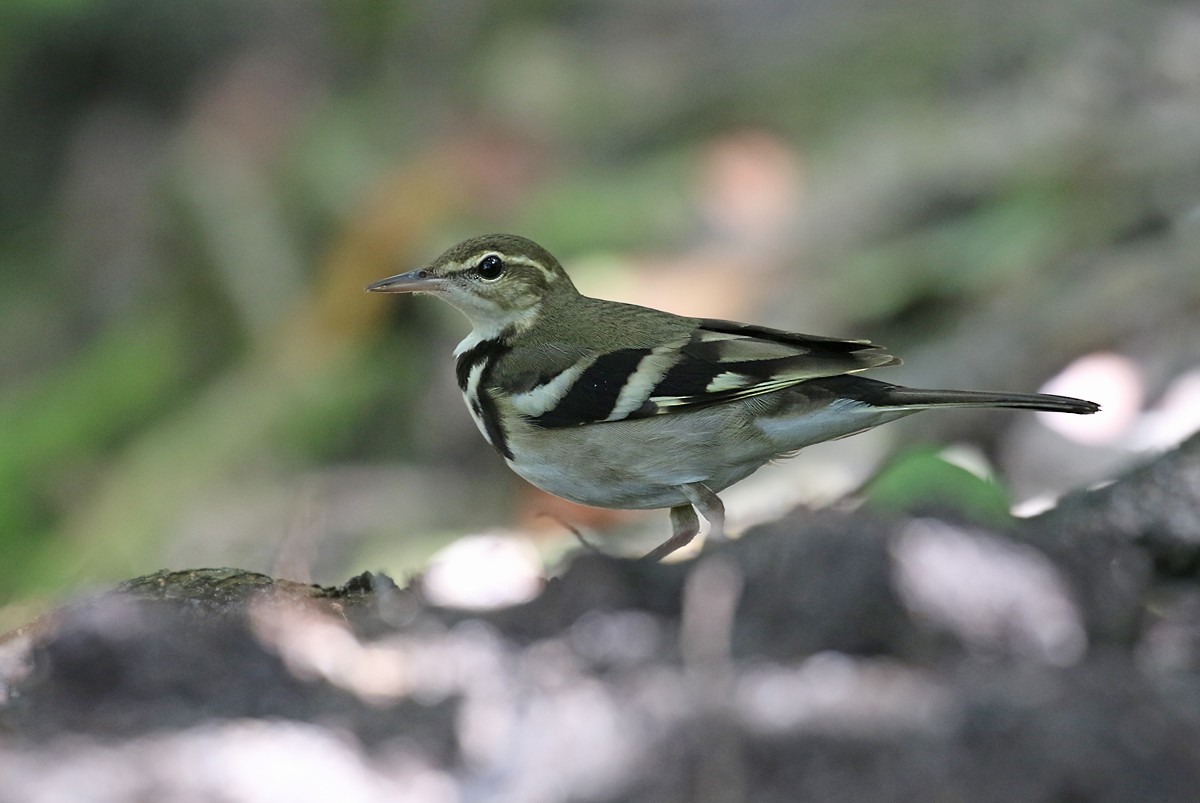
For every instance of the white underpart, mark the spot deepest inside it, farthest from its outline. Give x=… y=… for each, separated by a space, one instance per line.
x=842 y=417
x=544 y=398
x=650 y=370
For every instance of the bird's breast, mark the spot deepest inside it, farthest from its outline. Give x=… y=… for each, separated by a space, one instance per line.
x=639 y=463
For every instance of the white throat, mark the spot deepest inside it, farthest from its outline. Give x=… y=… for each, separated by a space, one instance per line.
x=489 y=330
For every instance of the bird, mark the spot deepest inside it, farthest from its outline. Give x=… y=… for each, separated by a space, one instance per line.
x=616 y=405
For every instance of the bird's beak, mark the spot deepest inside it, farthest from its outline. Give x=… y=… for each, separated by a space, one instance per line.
x=415 y=281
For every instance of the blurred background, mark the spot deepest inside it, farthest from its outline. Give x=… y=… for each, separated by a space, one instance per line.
x=193 y=195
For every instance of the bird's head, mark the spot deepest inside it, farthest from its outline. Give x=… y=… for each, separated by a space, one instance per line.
x=499 y=281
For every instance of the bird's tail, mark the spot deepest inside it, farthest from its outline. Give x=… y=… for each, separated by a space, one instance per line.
x=895 y=397
x=918 y=399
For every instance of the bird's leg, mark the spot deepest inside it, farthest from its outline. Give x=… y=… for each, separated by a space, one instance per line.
x=710 y=507
x=684 y=525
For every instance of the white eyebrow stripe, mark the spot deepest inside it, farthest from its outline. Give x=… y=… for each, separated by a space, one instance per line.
x=512 y=259
x=519 y=260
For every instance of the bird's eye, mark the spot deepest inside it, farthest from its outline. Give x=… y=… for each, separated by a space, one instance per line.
x=490 y=268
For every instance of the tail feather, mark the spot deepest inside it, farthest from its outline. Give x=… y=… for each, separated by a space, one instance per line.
x=894 y=397
x=918 y=399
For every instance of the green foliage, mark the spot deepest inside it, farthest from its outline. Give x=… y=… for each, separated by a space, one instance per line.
x=68 y=418
x=923 y=480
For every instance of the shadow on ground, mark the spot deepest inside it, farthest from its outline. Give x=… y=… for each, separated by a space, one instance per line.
x=828 y=656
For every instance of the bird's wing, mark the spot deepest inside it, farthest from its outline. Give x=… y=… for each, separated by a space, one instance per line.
x=724 y=361
x=719 y=361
